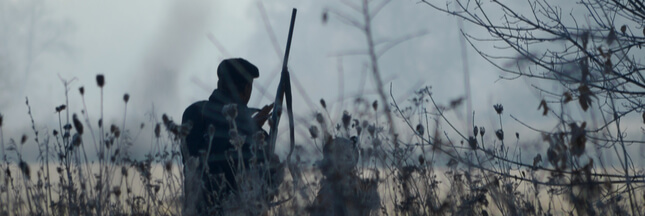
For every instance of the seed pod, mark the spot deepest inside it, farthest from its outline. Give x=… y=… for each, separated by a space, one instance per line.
x=157 y=130
x=375 y=105
x=126 y=97
x=420 y=129
x=498 y=108
x=100 y=80
x=77 y=124
x=346 y=119
x=319 y=118
x=82 y=90
x=313 y=131
x=24 y=167
x=472 y=142
x=500 y=134
x=323 y=104
x=23 y=139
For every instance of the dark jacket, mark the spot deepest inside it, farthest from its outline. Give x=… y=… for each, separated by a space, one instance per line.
x=205 y=113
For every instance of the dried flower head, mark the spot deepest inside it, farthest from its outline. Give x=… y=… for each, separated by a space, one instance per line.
x=482 y=131
x=157 y=130
x=23 y=139
x=313 y=130
x=500 y=134
x=168 y=165
x=100 y=123
x=55 y=133
x=475 y=130
x=375 y=105
x=472 y=142
x=323 y=104
x=319 y=118
x=126 y=97
x=420 y=129
x=24 y=167
x=82 y=90
x=498 y=108
x=77 y=124
x=115 y=130
x=60 y=108
x=371 y=129
x=76 y=139
x=100 y=80
x=230 y=111
x=0 y=120
x=347 y=118
x=116 y=190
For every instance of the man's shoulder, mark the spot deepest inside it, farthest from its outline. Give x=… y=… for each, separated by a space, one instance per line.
x=194 y=110
x=211 y=110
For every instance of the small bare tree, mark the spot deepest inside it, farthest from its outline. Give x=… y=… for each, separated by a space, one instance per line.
x=593 y=50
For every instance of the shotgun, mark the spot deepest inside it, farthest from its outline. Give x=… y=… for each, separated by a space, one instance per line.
x=284 y=91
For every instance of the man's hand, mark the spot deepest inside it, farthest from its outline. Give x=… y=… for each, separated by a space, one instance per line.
x=261 y=117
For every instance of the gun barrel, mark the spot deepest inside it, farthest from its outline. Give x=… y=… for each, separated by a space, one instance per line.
x=286 y=52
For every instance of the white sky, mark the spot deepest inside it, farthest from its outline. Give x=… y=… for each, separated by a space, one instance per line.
x=159 y=53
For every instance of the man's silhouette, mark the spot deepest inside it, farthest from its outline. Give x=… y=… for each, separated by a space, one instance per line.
x=225 y=119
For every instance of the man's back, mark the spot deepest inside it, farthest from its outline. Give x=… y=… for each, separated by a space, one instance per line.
x=223 y=158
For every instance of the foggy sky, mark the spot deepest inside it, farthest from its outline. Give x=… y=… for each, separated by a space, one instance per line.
x=159 y=53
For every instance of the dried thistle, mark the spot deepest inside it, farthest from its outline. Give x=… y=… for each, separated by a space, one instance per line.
x=420 y=129
x=60 y=108
x=230 y=111
x=500 y=134
x=371 y=129
x=115 y=130
x=498 y=108
x=323 y=104
x=100 y=80
x=347 y=118
x=77 y=124
x=319 y=118
x=313 y=130
x=157 y=130
x=24 y=167
x=168 y=165
x=116 y=190
x=472 y=142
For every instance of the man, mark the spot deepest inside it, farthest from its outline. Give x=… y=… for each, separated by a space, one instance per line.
x=225 y=125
